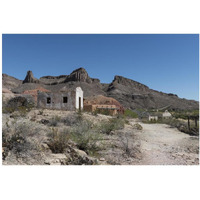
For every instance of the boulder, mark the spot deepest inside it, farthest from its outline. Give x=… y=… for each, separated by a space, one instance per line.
x=56 y=159
x=80 y=152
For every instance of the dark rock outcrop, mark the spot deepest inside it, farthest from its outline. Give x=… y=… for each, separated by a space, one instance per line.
x=128 y=82
x=30 y=78
x=81 y=75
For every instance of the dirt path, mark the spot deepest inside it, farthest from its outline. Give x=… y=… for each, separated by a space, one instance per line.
x=162 y=145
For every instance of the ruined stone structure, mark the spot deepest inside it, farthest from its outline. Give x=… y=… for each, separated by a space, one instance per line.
x=153 y=118
x=102 y=104
x=110 y=109
x=34 y=93
x=64 y=99
x=166 y=114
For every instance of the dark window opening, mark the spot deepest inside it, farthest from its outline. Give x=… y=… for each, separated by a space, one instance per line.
x=48 y=100
x=65 y=99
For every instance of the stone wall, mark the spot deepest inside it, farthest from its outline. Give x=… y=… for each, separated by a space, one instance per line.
x=56 y=100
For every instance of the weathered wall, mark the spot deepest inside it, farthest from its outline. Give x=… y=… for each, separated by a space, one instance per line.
x=79 y=93
x=112 y=109
x=153 y=118
x=57 y=100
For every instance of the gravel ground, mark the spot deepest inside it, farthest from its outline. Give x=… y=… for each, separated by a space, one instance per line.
x=162 y=145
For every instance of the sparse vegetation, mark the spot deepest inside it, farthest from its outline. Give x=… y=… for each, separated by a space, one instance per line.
x=86 y=136
x=130 y=113
x=79 y=116
x=103 y=112
x=17 y=139
x=58 y=141
x=20 y=104
x=113 y=124
x=41 y=112
x=184 y=114
x=137 y=126
x=181 y=125
x=79 y=138
x=54 y=121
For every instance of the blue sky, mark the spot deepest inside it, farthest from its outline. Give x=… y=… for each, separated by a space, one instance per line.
x=168 y=63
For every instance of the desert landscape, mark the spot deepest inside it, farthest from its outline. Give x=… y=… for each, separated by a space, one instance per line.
x=121 y=123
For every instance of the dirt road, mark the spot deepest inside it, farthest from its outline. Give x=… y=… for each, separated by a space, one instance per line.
x=163 y=145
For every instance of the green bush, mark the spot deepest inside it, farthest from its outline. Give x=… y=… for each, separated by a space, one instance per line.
x=130 y=113
x=113 y=124
x=86 y=136
x=184 y=114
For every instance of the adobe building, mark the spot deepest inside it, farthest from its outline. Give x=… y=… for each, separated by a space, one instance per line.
x=65 y=99
x=102 y=104
x=34 y=92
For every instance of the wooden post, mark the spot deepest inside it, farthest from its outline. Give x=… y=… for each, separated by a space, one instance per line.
x=189 y=122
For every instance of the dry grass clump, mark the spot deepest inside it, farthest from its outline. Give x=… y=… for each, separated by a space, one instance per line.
x=58 y=141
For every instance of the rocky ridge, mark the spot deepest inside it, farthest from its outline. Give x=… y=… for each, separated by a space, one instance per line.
x=129 y=93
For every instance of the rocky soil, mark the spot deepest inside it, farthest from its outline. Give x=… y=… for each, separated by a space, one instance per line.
x=136 y=144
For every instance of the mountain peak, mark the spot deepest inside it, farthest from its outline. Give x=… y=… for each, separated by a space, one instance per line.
x=79 y=75
x=30 y=78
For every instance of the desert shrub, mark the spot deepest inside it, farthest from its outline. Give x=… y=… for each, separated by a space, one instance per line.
x=111 y=125
x=58 y=141
x=41 y=112
x=95 y=113
x=79 y=116
x=103 y=112
x=21 y=104
x=17 y=139
x=44 y=121
x=54 y=121
x=86 y=136
x=184 y=114
x=73 y=119
x=130 y=113
x=127 y=150
x=137 y=126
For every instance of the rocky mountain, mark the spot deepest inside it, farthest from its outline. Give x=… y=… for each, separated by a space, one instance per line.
x=132 y=94
x=78 y=78
x=10 y=82
x=129 y=93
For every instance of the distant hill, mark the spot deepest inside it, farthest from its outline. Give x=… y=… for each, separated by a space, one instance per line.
x=10 y=82
x=129 y=93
